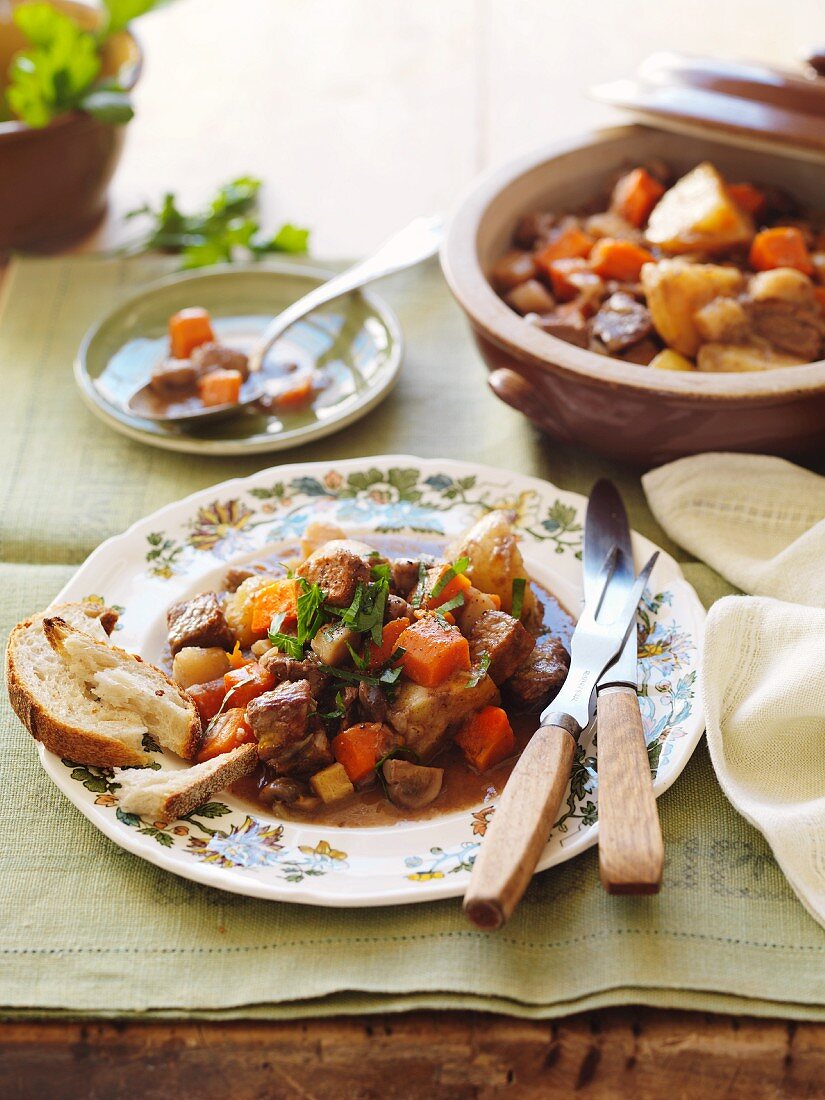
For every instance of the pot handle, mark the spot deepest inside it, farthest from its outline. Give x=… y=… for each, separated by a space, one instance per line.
x=514 y=390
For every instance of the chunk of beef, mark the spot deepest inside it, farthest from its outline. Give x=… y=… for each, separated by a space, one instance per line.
x=539 y=679
x=338 y=570
x=404 y=573
x=286 y=669
x=215 y=356
x=280 y=718
x=565 y=323
x=198 y=622
x=621 y=322
x=397 y=608
x=173 y=378
x=504 y=640
x=642 y=353
x=535 y=229
x=373 y=702
x=349 y=700
x=310 y=756
x=789 y=326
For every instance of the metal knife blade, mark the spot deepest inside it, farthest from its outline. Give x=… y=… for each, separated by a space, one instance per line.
x=608 y=618
x=606 y=526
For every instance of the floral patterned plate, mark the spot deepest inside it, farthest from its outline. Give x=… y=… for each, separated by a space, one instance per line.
x=185 y=548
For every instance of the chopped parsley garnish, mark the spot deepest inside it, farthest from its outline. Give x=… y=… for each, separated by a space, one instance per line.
x=287 y=643
x=365 y=615
x=312 y=615
x=421 y=587
x=460 y=566
x=338 y=711
x=451 y=605
x=478 y=674
x=519 y=585
x=384 y=677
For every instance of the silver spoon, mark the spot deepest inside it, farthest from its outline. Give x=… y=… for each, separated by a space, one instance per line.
x=416 y=242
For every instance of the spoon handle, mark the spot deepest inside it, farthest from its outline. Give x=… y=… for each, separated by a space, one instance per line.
x=416 y=242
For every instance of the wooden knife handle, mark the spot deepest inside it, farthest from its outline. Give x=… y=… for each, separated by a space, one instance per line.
x=631 y=853
x=519 y=828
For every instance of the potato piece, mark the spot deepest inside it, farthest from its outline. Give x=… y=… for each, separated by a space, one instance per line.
x=317 y=533
x=785 y=283
x=239 y=607
x=671 y=360
x=332 y=784
x=676 y=290
x=735 y=358
x=495 y=561
x=698 y=215
x=194 y=665
x=331 y=643
x=423 y=715
x=722 y=321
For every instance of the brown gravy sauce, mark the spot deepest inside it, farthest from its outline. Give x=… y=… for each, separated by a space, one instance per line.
x=462 y=787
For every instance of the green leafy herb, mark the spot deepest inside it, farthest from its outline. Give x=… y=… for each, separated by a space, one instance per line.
x=338 y=711
x=460 y=566
x=451 y=605
x=311 y=617
x=519 y=585
x=385 y=677
x=121 y=12
x=400 y=752
x=287 y=643
x=478 y=674
x=365 y=615
x=421 y=586
x=227 y=229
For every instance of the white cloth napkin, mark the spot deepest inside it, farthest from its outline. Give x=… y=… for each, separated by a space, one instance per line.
x=760 y=522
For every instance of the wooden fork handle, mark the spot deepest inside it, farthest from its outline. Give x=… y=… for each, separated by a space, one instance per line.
x=519 y=828
x=631 y=854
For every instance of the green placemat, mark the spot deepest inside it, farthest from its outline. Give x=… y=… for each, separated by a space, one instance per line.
x=88 y=928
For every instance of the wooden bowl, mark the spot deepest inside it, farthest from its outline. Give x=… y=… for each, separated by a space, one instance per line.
x=53 y=180
x=615 y=408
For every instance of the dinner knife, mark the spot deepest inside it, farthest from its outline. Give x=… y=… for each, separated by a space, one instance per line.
x=631 y=853
x=531 y=798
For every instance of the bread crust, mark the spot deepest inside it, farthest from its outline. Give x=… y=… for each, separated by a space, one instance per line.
x=243 y=761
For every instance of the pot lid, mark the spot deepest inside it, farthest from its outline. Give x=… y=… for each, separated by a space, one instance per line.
x=751 y=104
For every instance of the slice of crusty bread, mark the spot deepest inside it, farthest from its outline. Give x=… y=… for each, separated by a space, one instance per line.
x=88 y=700
x=164 y=796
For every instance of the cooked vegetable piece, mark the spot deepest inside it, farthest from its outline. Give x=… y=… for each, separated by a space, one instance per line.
x=379 y=655
x=609 y=223
x=246 y=683
x=423 y=715
x=567 y=243
x=748 y=198
x=474 y=606
x=697 y=214
x=297 y=395
x=676 y=290
x=360 y=747
x=277 y=598
x=495 y=562
x=197 y=665
x=790 y=327
x=332 y=784
x=220 y=387
x=574 y=279
x=635 y=195
x=448 y=584
x=226 y=732
x=728 y=358
x=433 y=652
x=331 y=643
x=188 y=329
x=781 y=246
x=412 y=786
x=671 y=360
x=236 y=659
x=785 y=283
x=621 y=260
x=819 y=293
x=530 y=297
x=723 y=319
x=486 y=738
x=239 y=608
x=208 y=697
x=514 y=267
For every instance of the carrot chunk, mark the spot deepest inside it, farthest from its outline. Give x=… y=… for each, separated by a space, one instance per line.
x=569 y=244
x=188 y=329
x=280 y=597
x=208 y=697
x=236 y=657
x=486 y=738
x=782 y=246
x=622 y=260
x=459 y=583
x=359 y=748
x=748 y=198
x=635 y=195
x=247 y=683
x=227 y=733
x=296 y=396
x=220 y=387
x=378 y=655
x=433 y=651
x=563 y=277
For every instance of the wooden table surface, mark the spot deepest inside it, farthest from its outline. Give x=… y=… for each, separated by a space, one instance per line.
x=359 y=116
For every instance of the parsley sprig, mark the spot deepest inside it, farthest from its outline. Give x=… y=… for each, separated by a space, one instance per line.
x=312 y=615
x=519 y=586
x=457 y=567
x=478 y=674
x=365 y=615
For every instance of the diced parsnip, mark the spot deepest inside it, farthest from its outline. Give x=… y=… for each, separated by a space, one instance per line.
x=239 y=608
x=513 y=268
x=530 y=297
x=193 y=665
x=736 y=358
x=722 y=321
x=698 y=214
x=785 y=283
x=332 y=784
x=474 y=606
x=671 y=360
x=676 y=290
x=331 y=642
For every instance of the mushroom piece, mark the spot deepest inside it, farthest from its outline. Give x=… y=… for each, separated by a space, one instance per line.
x=412 y=785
